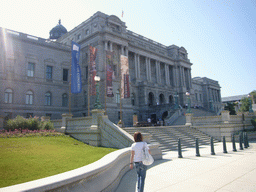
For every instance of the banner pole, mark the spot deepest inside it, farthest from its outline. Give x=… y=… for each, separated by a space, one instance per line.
x=121 y=115
x=69 y=101
x=89 y=65
x=105 y=82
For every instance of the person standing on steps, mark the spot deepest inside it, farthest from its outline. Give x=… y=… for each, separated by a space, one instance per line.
x=136 y=159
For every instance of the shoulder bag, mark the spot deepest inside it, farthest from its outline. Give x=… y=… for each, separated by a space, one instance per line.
x=147 y=159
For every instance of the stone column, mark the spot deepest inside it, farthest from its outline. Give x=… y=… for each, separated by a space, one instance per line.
x=167 y=77
x=189 y=78
x=158 y=72
x=122 y=50
x=138 y=65
x=65 y=116
x=180 y=76
x=111 y=46
x=149 y=69
x=106 y=45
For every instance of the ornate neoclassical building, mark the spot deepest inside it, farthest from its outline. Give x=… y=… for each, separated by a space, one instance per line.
x=35 y=73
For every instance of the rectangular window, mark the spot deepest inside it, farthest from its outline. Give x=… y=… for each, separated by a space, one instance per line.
x=49 y=72
x=31 y=69
x=65 y=74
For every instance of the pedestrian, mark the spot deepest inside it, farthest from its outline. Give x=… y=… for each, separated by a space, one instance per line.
x=136 y=159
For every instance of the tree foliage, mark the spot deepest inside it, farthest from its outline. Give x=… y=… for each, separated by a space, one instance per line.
x=231 y=107
x=245 y=102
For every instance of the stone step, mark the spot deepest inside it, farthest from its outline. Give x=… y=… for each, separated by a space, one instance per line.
x=168 y=136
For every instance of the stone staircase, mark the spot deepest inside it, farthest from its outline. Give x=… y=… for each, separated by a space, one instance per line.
x=167 y=136
x=181 y=120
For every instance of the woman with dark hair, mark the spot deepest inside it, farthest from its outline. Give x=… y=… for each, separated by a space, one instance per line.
x=136 y=158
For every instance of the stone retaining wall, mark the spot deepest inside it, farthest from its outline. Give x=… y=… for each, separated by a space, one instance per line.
x=102 y=175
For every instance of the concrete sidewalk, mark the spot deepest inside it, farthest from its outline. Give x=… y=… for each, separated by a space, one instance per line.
x=223 y=172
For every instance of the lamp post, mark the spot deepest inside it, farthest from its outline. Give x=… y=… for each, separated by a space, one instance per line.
x=250 y=103
x=176 y=100
x=97 y=104
x=188 y=96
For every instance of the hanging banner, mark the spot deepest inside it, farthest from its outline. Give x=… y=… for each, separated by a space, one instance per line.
x=93 y=71
x=109 y=74
x=125 y=87
x=76 y=83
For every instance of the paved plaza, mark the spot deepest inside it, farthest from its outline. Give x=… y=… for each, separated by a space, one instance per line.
x=222 y=172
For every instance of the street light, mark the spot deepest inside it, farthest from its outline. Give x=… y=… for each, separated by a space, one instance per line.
x=250 y=103
x=176 y=100
x=97 y=104
x=188 y=96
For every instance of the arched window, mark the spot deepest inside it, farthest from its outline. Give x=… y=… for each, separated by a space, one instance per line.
x=117 y=96
x=48 y=98
x=29 y=97
x=161 y=99
x=65 y=100
x=150 y=98
x=8 y=95
x=133 y=99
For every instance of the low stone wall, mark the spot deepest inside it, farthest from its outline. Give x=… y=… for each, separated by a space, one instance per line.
x=102 y=175
x=95 y=130
x=223 y=125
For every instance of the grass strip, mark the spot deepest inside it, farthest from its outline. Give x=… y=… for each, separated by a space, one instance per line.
x=29 y=158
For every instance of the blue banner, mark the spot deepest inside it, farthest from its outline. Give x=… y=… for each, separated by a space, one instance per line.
x=76 y=83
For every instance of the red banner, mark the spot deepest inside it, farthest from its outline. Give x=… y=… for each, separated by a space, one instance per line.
x=93 y=71
x=109 y=74
x=125 y=87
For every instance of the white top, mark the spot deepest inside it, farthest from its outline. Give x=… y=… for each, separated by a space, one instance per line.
x=137 y=148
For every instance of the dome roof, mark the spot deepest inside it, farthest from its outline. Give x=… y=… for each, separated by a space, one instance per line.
x=58 y=31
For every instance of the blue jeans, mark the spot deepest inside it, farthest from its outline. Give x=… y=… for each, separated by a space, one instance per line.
x=141 y=175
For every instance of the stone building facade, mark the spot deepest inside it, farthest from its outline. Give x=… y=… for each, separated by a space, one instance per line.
x=35 y=74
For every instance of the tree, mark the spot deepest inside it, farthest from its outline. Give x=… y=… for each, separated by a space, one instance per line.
x=245 y=101
x=244 y=104
x=231 y=107
x=253 y=95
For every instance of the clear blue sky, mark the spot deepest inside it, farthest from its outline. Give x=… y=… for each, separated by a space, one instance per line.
x=219 y=35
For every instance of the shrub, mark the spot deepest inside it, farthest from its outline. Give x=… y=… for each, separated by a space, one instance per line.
x=30 y=124
x=33 y=123
x=17 y=123
x=47 y=125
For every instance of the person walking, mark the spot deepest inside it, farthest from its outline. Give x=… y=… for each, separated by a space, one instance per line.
x=136 y=159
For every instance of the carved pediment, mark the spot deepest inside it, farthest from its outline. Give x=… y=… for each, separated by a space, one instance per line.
x=115 y=19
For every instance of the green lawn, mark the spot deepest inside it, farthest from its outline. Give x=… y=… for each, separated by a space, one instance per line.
x=29 y=158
